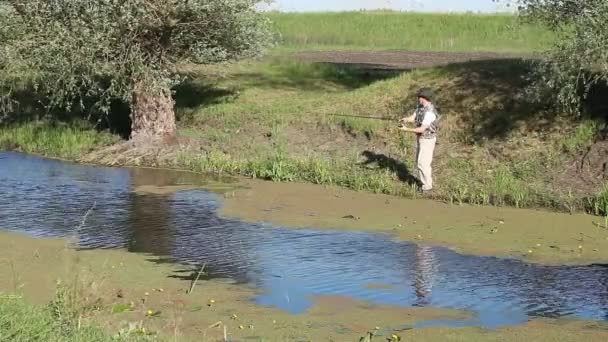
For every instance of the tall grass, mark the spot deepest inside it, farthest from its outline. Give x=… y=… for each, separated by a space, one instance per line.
x=412 y=31
x=280 y=167
x=581 y=138
x=598 y=204
x=67 y=141
x=23 y=322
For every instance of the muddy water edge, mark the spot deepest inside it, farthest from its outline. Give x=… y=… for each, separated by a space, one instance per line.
x=116 y=279
x=142 y=282
x=535 y=236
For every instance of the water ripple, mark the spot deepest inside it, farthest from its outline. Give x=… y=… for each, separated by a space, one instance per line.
x=49 y=198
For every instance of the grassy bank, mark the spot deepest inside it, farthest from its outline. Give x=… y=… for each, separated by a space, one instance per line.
x=301 y=122
x=285 y=120
x=409 y=31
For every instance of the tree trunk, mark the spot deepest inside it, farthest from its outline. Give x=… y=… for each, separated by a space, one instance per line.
x=152 y=114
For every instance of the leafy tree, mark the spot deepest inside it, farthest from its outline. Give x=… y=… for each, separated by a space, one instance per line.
x=578 y=60
x=76 y=50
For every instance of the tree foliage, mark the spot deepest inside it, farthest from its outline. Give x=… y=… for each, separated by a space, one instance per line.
x=73 y=50
x=579 y=59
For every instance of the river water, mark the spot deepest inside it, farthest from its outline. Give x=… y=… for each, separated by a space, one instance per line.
x=48 y=198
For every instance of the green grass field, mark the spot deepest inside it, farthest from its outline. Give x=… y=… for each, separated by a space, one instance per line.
x=408 y=31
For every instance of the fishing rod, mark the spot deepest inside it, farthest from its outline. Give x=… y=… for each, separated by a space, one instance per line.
x=364 y=117
x=368 y=117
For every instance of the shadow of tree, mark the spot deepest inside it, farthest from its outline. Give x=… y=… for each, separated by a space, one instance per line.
x=388 y=163
x=497 y=86
x=33 y=106
x=189 y=96
x=316 y=76
x=490 y=98
x=595 y=105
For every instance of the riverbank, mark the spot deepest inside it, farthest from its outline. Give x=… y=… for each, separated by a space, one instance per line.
x=105 y=293
x=535 y=236
x=301 y=122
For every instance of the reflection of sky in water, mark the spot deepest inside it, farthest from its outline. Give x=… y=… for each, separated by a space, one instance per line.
x=290 y=265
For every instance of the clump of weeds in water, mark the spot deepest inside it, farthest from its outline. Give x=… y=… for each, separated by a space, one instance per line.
x=501 y=184
x=483 y=198
x=598 y=204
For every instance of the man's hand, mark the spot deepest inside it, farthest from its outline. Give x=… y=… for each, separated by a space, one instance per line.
x=408 y=119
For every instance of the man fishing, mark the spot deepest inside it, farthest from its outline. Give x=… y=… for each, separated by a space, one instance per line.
x=425 y=119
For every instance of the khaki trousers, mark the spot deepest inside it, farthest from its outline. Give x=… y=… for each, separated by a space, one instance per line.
x=424 y=159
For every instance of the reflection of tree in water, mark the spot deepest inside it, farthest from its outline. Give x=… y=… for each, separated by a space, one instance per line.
x=149 y=224
x=150 y=216
x=185 y=226
x=425 y=269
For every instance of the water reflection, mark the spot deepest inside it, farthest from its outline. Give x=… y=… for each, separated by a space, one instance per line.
x=149 y=224
x=49 y=198
x=425 y=269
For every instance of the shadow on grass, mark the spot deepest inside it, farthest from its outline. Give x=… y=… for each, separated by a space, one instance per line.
x=387 y=163
x=319 y=76
x=498 y=84
x=191 y=95
x=596 y=104
x=31 y=107
x=490 y=97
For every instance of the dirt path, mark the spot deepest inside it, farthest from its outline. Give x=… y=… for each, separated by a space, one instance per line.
x=397 y=60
